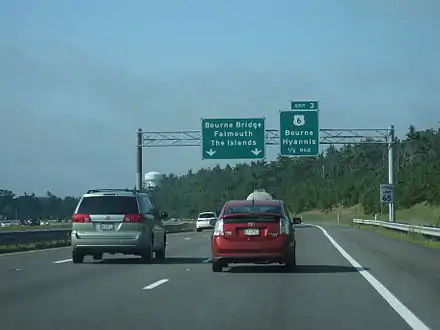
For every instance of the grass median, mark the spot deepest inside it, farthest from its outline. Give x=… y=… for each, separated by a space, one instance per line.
x=44 y=227
x=32 y=246
x=54 y=244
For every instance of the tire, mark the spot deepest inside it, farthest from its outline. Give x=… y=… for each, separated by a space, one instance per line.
x=97 y=256
x=77 y=257
x=217 y=266
x=290 y=261
x=160 y=255
x=199 y=229
x=148 y=254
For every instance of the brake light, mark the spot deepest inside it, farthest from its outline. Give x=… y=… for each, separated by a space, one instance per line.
x=218 y=228
x=81 y=218
x=133 y=218
x=284 y=226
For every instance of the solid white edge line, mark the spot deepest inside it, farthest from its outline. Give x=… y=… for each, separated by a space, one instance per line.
x=62 y=261
x=409 y=317
x=155 y=284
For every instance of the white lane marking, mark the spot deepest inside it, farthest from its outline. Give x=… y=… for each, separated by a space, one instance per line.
x=62 y=261
x=206 y=260
x=155 y=284
x=409 y=317
x=187 y=238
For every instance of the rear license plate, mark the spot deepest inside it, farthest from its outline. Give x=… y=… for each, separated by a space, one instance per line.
x=252 y=232
x=107 y=226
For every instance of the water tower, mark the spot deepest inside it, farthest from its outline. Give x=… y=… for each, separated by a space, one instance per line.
x=153 y=179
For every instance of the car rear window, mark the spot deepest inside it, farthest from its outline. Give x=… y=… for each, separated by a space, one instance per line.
x=108 y=205
x=249 y=217
x=207 y=215
x=254 y=209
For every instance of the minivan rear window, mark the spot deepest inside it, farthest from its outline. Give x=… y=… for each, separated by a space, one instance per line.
x=207 y=215
x=108 y=205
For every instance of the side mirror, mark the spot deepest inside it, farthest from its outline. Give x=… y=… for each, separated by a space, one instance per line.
x=296 y=221
x=163 y=215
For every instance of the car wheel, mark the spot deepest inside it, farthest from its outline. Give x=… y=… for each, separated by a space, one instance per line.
x=97 y=256
x=77 y=257
x=291 y=261
x=147 y=255
x=160 y=255
x=199 y=229
x=217 y=266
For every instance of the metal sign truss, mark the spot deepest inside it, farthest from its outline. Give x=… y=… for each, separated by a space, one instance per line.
x=334 y=136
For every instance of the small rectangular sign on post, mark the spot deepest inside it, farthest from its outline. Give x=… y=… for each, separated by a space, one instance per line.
x=386 y=193
x=233 y=138
x=299 y=133
x=304 y=105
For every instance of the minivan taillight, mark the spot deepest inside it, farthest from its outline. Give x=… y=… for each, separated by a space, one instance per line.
x=81 y=218
x=133 y=218
x=218 y=228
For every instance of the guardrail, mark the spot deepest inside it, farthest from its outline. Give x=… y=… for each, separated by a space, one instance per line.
x=433 y=232
x=38 y=236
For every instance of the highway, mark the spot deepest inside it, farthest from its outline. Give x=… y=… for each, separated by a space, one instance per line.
x=397 y=288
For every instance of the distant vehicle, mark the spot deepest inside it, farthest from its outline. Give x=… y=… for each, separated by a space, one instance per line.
x=117 y=221
x=5 y=223
x=254 y=231
x=260 y=195
x=206 y=220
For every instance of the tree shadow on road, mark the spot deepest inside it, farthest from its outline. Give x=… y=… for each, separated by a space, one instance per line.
x=300 y=269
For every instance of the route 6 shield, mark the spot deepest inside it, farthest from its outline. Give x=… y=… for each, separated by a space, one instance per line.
x=299 y=120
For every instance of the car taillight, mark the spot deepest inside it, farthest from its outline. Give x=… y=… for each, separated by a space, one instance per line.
x=134 y=218
x=218 y=228
x=284 y=226
x=81 y=218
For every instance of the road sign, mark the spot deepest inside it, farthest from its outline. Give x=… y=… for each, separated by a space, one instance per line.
x=304 y=105
x=233 y=138
x=387 y=193
x=299 y=133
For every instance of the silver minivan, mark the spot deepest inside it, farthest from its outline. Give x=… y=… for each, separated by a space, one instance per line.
x=117 y=221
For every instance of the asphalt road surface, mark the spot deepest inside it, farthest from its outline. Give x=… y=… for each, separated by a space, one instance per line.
x=394 y=286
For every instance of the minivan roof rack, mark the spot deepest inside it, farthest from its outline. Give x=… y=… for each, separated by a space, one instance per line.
x=91 y=191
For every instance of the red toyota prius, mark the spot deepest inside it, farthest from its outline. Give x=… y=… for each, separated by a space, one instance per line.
x=253 y=231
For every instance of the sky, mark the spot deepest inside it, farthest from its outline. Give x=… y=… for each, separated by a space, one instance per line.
x=79 y=77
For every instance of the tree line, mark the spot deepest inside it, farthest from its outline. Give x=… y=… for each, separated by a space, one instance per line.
x=338 y=177
x=344 y=176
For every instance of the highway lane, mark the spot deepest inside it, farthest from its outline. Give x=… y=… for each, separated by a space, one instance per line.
x=325 y=292
x=411 y=271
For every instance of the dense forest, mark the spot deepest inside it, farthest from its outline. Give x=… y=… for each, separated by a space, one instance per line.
x=339 y=177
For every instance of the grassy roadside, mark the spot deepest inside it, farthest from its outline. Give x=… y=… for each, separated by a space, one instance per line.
x=409 y=237
x=420 y=214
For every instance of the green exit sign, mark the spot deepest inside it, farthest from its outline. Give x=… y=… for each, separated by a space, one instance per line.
x=299 y=133
x=233 y=138
x=304 y=105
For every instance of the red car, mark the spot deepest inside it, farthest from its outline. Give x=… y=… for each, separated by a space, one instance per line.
x=253 y=231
